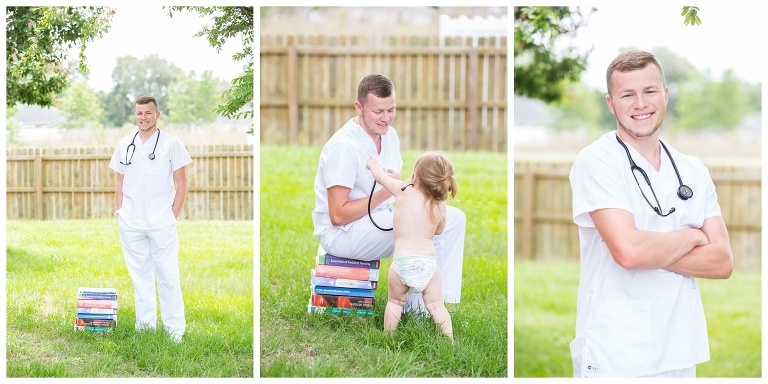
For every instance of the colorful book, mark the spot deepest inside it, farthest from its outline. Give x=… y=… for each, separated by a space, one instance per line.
x=320 y=300
x=340 y=311
x=88 y=303
x=96 y=316
x=95 y=323
x=346 y=283
x=89 y=328
x=96 y=296
x=336 y=291
x=105 y=311
x=328 y=259
x=352 y=273
x=111 y=291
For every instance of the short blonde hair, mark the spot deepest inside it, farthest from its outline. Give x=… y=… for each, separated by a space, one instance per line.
x=143 y=100
x=631 y=61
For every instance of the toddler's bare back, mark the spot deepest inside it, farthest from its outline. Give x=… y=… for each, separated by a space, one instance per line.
x=414 y=228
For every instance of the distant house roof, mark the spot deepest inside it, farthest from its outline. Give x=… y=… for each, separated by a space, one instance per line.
x=530 y=112
x=36 y=115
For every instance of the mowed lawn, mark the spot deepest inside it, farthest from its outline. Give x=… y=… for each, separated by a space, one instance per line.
x=545 y=321
x=46 y=263
x=296 y=344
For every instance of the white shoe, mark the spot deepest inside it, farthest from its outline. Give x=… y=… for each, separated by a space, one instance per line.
x=175 y=334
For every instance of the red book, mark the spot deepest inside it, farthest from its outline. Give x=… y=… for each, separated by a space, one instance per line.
x=86 y=303
x=356 y=302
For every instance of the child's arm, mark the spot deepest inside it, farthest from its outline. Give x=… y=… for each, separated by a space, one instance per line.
x=392 y=185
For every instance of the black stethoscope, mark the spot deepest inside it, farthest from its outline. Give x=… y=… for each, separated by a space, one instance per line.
x=133 y=146
x=684 y=192
x=369 y=205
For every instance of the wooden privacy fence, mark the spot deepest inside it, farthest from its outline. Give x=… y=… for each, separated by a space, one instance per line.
x=77 y=183
x=544 y=228
x=451 y=94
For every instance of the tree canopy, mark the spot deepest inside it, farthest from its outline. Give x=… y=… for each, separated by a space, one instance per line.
x=134 y=77
x=80 y=106
x=192 y=100
x=38 y=40
x=541 y=70
x=228 y=23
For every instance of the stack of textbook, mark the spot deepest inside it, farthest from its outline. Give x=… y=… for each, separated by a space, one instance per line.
x=96 y=309
x=341 y=286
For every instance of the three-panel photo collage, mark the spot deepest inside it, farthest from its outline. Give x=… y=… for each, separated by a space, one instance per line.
x=381 y=195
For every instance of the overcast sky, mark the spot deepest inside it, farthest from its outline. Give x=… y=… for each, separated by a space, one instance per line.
x=142 y=31
x=722 y=41
x=729 y=37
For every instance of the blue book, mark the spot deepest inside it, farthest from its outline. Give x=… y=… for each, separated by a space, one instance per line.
x=328 y=259
x=107 y=291
x=101 y=316
x=96 y=296
x=338 y=291
x=89 y=293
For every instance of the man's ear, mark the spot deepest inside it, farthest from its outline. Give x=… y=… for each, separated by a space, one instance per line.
x=610 y=104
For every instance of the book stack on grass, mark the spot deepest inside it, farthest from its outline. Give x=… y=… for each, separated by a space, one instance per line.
x=341 y=286
x=96 y=309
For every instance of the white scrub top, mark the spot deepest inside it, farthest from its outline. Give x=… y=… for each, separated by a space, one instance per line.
x=342 y=162
x=148 y=187
x=636 y=322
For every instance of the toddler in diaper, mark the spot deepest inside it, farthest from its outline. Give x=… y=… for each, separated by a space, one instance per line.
x=415 y=271
x=419 y=216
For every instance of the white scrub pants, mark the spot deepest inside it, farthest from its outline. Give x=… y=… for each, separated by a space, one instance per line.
x=684 y=372
x=149 y=254
x=361 y=240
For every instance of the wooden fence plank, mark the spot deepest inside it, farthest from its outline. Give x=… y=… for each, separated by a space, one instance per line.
x=72 y=183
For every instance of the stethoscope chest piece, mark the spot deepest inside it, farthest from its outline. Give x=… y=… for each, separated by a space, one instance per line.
x=684 y=192
x=152 y=156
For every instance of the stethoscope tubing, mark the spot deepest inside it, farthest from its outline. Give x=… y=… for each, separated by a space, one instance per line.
x=151 y=156
x=684 y=192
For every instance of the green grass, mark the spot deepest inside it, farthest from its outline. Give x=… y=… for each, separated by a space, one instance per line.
x=48 y=260
x=545 y=321
x=295 y=344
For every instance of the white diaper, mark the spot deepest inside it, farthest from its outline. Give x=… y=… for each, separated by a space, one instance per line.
x=415 y=271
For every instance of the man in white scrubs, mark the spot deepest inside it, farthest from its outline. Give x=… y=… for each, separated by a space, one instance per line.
x=150 y=192
x=343 y=185
x=649 y=225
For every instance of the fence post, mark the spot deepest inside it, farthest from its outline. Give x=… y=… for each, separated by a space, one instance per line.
x=528 y=209
x=39 y=183
x=472 y=83
x=293 y=101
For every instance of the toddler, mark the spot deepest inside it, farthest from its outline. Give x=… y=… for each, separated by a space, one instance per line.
x=419 y=215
